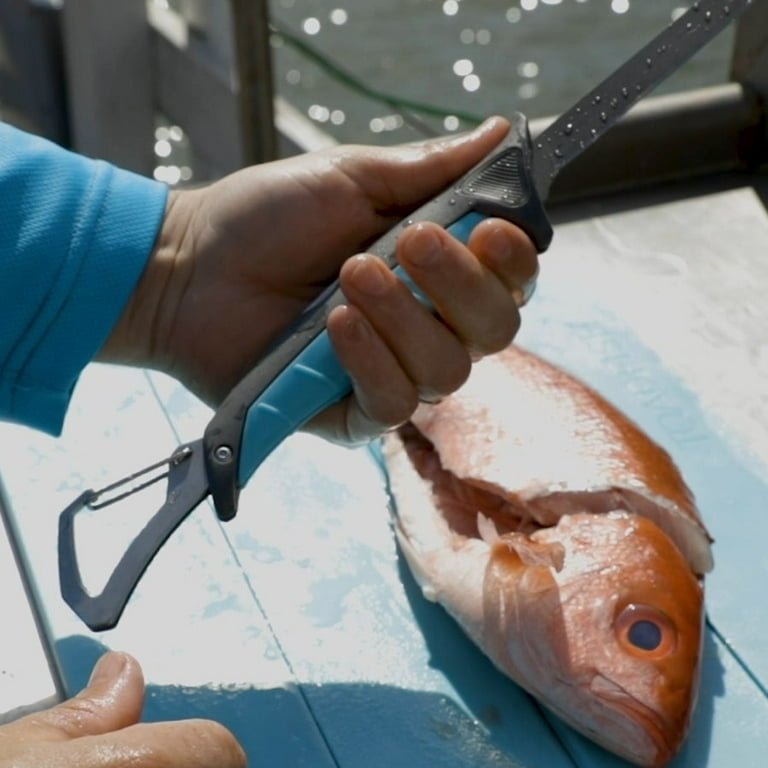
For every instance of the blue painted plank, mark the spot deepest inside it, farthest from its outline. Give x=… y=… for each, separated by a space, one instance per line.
x=198 y=630
x=373 y=656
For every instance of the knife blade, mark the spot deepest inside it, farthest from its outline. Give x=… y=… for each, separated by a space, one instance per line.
x=597 y=112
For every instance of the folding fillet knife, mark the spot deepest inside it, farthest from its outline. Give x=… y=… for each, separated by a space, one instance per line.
x=300 y=376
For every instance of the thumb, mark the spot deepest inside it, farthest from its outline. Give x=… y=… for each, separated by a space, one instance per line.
x=113 y=699
x=413 y=172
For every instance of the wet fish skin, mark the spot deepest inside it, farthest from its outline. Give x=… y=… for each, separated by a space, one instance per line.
x=529 y=431
x=552 y=604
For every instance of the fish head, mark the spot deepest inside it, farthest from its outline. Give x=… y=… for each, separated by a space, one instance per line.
x=612 y=633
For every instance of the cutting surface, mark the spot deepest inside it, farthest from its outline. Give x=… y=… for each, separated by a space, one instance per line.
x=298 y=625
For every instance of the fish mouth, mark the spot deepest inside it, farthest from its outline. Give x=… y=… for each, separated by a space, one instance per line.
x=654 y=743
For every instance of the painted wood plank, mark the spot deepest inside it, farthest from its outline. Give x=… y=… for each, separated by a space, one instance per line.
x=201 y=635
x=372 y=657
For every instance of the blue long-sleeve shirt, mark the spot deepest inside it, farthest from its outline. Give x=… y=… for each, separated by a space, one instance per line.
x=75 y=235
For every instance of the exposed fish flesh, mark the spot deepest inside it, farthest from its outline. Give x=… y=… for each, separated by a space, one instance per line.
x=565 y=543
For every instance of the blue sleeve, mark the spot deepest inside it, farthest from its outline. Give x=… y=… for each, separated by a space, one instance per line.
x=75 y=235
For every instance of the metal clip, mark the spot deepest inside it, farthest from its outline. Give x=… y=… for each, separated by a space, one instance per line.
x=187 y=487
x=176 y=458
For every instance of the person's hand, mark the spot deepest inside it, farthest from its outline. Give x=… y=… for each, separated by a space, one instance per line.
x=99 y=728
x=238 y=260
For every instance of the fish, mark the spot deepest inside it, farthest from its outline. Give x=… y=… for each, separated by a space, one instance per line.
x=565 y=543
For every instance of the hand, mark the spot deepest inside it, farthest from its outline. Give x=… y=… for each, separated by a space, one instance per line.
x=99 y=728
x=238 y=260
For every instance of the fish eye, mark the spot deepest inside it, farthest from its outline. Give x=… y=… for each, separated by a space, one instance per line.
x=645 y=631
x=644 y=634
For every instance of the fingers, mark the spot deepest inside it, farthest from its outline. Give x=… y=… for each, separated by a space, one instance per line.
x=429 y=352
x=99 y=728
x=396 y=178
x=113 y=699
x=509 y=254
x=477 y=290
x=181 y=744
x=395 y=350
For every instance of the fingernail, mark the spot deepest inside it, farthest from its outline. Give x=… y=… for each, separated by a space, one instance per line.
x=424 y=246
x=109 y=667
x=499 y=247
x=372 y=276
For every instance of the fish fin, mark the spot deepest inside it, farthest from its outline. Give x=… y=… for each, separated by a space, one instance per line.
x=416 y=564
x=534 y=553
x=487 y=529
x=528 y=563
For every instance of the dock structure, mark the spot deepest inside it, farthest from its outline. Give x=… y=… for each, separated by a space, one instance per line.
x=297 y=624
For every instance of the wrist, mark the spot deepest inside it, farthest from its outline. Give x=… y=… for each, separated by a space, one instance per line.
x=140 y=336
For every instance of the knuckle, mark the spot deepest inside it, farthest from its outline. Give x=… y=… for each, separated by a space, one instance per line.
x=500 y=334
x=75 y=717
x=389 y=412
x=453 y=374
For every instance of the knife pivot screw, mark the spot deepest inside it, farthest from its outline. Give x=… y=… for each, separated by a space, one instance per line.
x=223 y=454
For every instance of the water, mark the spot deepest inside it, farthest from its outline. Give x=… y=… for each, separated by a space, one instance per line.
x=462 y=59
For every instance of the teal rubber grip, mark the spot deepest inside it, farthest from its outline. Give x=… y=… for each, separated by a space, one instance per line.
x=313 y=381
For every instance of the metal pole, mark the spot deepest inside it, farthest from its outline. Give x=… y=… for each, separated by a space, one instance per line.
x=253 y=61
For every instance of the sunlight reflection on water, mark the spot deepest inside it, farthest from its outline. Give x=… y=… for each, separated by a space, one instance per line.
x=470 y=59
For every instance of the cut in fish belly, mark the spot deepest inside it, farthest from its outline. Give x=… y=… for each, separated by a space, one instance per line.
x=532 y=434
